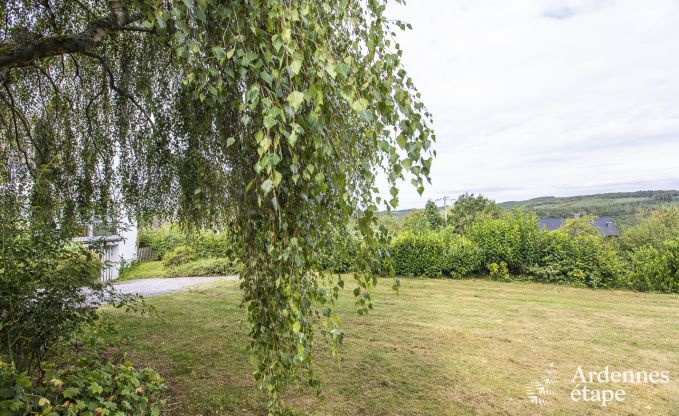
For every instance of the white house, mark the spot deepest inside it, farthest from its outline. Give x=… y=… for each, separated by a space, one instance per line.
x=117 y=246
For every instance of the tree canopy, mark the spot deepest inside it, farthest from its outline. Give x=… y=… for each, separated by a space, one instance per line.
x=468 y=208
x=273 y=117
x=431 y=211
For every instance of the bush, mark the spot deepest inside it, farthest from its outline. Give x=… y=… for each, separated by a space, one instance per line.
x=77 y=260
x=513 y=238
x=416 y=222
x=583 y=260
x=42 y=301
x=656 y=269
x=206 y=267
x=661 y=225
x=418 y=255
x=179 y=255
x=498 y=271
x=167 y=238
x=342 y=253
x=160 y=240
x=97 y=388
x=461 y=256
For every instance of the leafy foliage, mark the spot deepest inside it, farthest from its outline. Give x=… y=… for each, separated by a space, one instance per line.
x=659 y=226
x=274 y=117
x=431 y=212
x=106 y=389
x=656 y=269
x=85 y=378
x=580 y=226
x=341 y=253
x=206 y=267
x=417 y=222
x=418 y=254
x=179 y=255
x=462 y=257
x=498 y=271
x=168 y=237
x=512 y=238
x=468 y=208
x=41 y=280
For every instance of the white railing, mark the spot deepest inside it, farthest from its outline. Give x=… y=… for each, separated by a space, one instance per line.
x=109 y=270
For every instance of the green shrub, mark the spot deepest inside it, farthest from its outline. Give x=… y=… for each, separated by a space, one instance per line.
x=498 y=271
x=418 y=255
x=582 y=260
x=84 y=388
x=167 y=238
x=656 y=269
x=160 y=240
x=468 y=209
x=597 y=263
x=342 y=253
x=205 y=267
x=416 y=222
x=660 y=226
x=78 y=260
x=461 y=256
x=41 y=300
x=514 y=238
x=179 y=255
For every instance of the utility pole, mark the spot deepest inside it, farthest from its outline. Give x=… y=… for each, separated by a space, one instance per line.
x=445 y=208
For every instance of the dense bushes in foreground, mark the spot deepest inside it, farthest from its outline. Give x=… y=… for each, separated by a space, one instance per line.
x=656 y=269
x=53 y=360
x=83 y=379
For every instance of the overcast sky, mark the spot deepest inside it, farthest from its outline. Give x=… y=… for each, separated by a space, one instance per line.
x=533 y=98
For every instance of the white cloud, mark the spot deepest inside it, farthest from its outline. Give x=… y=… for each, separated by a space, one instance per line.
x=535 y=98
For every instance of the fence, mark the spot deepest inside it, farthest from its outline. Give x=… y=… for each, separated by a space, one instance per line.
x=144 y=254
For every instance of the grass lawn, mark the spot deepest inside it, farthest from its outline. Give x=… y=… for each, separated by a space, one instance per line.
x=441 y=347
x=146 y=270
x=200 y=267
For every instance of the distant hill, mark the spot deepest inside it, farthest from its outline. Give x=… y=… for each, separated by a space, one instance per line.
x=624 y=207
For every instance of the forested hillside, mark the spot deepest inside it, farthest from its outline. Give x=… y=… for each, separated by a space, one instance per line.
x=626 y=208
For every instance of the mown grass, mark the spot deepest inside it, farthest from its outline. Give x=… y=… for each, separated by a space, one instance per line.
x=441 y=347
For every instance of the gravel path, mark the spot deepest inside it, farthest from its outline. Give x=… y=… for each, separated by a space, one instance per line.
x=159 y=286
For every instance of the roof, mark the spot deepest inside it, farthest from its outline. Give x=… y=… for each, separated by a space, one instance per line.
x=101 y=239
x=550 y=224
x=605 y=225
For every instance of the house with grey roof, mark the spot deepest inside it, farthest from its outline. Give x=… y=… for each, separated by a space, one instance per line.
x=604 y=224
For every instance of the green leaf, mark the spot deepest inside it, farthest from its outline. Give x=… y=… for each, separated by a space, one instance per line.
x=295 y=99
x=359 y=105
x=219 y=52
x=269 y=121
x=230 y=141
x=266 y=77
x=95 y=388
x=295 y=66
x=330 y=69
x=266 y=186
